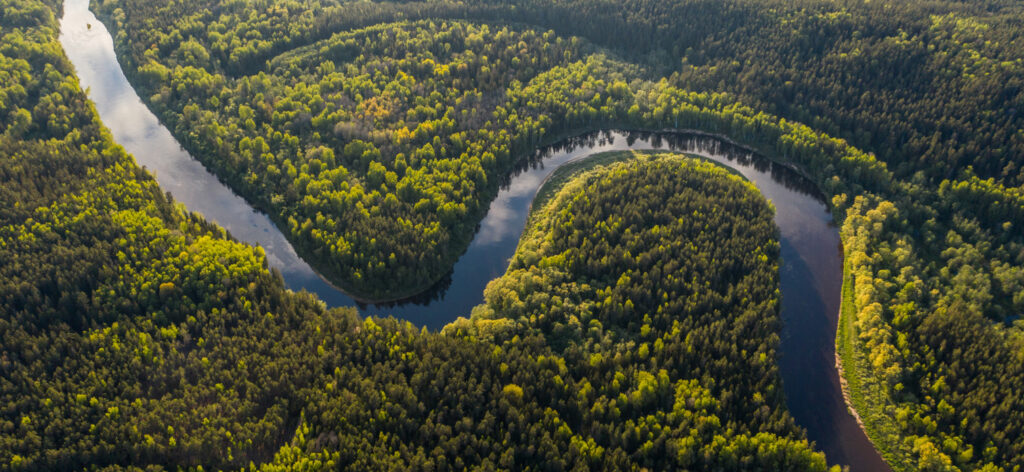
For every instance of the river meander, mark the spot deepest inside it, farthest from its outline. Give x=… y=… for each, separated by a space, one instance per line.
x=811 y=268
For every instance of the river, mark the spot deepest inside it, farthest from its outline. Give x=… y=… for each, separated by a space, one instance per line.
x=811 y=255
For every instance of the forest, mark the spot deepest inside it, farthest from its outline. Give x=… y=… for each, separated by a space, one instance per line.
x=137 y=336
x=928 y=86
x=305 y=82
x=376 y=133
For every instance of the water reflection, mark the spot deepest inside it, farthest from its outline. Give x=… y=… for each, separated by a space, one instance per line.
x=686 y=142
x=425 y=298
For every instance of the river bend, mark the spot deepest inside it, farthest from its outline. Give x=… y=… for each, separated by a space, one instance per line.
x=811 y=268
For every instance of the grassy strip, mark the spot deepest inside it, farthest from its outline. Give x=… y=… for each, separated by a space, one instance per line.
x=867 y=396
x=567 y=171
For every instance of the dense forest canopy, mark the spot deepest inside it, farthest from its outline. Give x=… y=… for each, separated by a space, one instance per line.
x=138 y=336
x=132 y=332
x=579 y=333
x=930 y=226
x=372 y=148
x=375 y=134
x=668 y=263
x=928 y=86
x=927 y=92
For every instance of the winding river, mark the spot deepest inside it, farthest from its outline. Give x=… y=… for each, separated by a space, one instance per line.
x=811 y=255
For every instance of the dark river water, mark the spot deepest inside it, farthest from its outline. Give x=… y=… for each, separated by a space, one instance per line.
x=811 y=255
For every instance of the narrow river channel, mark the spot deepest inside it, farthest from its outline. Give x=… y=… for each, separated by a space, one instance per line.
x=811 y=257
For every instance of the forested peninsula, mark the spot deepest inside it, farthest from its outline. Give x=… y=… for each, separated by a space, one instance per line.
x=637 y=324
x=138 y=336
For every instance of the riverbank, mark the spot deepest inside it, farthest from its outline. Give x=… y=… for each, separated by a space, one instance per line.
x=864 y=397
